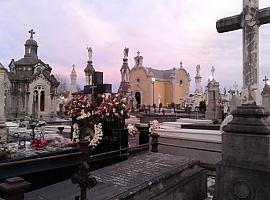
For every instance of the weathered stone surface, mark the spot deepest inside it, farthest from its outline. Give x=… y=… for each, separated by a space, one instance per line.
x=145 y=176
x=244 y=172
x=249 y=20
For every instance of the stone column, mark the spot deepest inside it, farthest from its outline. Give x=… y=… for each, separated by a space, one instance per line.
x=173 y=82
x=250 y=50
x=244 y=171
x=2 y=101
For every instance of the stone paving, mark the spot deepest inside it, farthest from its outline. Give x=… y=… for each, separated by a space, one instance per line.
x=119 y=178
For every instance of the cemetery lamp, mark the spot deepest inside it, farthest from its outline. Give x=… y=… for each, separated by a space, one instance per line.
x=153 y=82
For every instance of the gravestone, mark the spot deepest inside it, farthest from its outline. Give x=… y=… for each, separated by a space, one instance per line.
x=213 y=110
x=244 y=172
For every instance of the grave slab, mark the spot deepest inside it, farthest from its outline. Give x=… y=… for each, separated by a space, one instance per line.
x=145 y=176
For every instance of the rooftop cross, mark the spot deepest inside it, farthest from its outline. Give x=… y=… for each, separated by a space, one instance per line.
x=181 y=64
x=138 y=53
x=265 y=80
x=73 y=66
x=31 y=33
x=249 y=20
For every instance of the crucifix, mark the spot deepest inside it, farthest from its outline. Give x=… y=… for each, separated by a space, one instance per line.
x=265 y=80
x=249 y=20
x=31 y=33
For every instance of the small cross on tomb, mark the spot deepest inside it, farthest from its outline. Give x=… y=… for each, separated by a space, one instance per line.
x=249 y=20
x=265 y=80
x=31 y=33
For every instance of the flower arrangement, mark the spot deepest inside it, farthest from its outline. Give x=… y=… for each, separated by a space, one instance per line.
x=91 y=118
x=132 y=130
x=153 y=126
x=87 y=125
x=114 y=108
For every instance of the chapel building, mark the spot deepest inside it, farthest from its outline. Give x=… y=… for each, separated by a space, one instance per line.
x=30 y=88
x=151 y=86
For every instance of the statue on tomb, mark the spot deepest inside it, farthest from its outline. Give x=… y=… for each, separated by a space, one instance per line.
x=198 y=68
x=213 y=71
x=90 y=53
x=126 y=52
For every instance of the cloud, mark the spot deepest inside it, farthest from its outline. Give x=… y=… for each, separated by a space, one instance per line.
x=165 y=32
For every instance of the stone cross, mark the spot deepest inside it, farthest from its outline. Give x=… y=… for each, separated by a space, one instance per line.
x=249 y=20
x=181 y=64
x=265 y=80
x=31 y=33
x=138 y=53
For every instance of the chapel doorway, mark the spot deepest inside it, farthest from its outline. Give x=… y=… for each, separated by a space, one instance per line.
x=138 y=99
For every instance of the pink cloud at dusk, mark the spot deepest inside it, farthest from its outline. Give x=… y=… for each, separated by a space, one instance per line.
x=164 y=31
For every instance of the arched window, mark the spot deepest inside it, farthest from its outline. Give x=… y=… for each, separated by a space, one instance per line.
x=42 y=101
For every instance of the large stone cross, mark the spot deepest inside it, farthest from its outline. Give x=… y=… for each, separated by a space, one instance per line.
x=249 y=20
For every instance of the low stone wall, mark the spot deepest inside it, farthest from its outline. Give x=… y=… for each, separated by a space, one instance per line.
x=160 y=118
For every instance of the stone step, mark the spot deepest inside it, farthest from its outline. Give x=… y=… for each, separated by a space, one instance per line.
x=204 y=145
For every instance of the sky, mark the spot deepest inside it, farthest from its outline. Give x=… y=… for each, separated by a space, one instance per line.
x=164 y=31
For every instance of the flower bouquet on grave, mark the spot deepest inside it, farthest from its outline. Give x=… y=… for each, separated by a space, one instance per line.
x=114 y=109
x=39 y=143
x=153 y=126
x=87 y=124
x=112 y=112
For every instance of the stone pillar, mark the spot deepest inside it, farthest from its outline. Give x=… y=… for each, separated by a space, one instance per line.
x=173 y=82
x=14 y=188
x=212 y=111
x=2 y=101
x=243 y=172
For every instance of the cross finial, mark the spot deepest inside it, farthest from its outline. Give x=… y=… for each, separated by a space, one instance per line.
x=265 y=80
x=73 y=66
x=181 y=64
x=138 y=53
x=31 y=33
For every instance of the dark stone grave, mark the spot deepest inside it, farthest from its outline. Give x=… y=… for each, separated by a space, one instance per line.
x=145 y=176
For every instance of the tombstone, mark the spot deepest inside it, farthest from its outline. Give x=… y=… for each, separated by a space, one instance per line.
x=213 y=111
x=244 y=172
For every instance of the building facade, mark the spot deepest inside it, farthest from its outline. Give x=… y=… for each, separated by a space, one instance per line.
x=30 y=88
x=152 y=86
